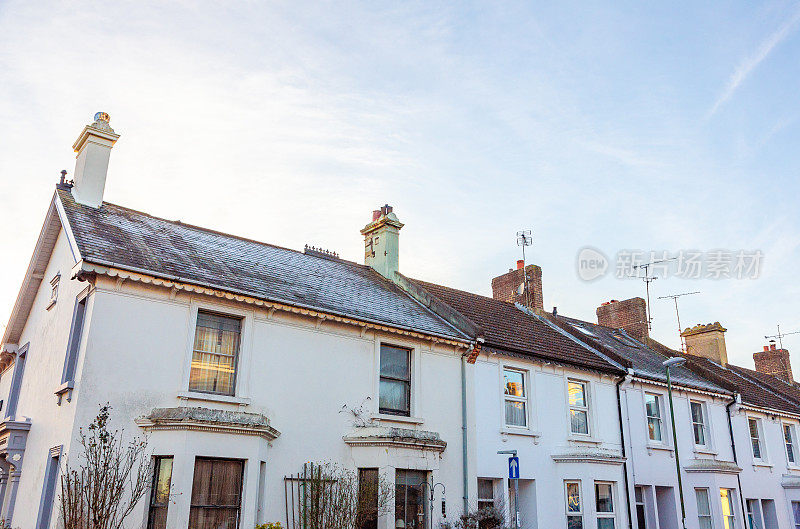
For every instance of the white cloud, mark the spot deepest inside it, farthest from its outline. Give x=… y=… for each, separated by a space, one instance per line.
x=748 y=64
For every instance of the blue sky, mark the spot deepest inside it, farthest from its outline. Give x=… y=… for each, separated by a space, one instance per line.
x=618 y=125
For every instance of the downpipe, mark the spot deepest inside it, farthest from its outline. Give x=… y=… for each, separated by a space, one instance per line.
x=622 y=440
x=736 y=398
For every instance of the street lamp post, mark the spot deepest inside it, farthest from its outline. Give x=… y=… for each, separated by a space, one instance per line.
x=674 y=361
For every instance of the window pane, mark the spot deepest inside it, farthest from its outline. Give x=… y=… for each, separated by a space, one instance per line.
x=410 y=504
x=651 y=405
x=654 y=429
x=163 y=480
x=485 y=489
x=394 y=395
x=514 y=383
x=603 y=498
x=216 y=494
x=395 y=362
x=699 y=434
x=796 y=511
x=577 y=394
x=574 y=522
x=368 y=498
x=515 y=413
x=697 y=413
x=573 y=497
x=703 y=505
x=605 y=523
x=579 y=422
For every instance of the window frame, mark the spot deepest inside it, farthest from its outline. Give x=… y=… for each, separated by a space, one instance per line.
x=795 y=507
x=585 y=409
x=49 y=487
x=483 y=501
x=157 y=461
x=243 y=484
x=726 y=518
x=704 y=425
x=410 y=381
x=18 y=374
x=660 y=403
x=525 y=399
x=762 y=457
x=612 y=515
x=750 y=514
x=700 y=516
x=792 y=443
x=224 y=312
x=573 y=514
x=75 y=341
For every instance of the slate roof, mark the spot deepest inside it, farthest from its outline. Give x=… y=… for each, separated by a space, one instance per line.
x=742 y=381
x=131 y=240
x=508 y=329
x=644 y=360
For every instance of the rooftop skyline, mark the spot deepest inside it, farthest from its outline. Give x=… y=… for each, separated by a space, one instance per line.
x=617 y=127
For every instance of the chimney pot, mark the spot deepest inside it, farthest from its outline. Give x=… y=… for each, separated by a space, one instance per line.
x=376 y=214
x=772 y=347
x=520 y=264
x=766 y=348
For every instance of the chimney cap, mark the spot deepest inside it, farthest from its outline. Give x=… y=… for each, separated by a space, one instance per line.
x=102 y=116
x=700 y=329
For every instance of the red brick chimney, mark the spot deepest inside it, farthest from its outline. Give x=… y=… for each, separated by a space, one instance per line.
x=629 y=315
x=775 y=362
x=510 y=286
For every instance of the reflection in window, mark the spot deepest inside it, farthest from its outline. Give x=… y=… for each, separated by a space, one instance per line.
x=574 y=506
x=159 y=495
x=652 y=404
x=604 y=505
x=515 y=398
x=411 y=505
x=578 y=407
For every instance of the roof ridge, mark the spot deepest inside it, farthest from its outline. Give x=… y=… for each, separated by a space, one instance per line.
x=221 y=233
x=463 y=291
x=762 y=384
x=755 y=382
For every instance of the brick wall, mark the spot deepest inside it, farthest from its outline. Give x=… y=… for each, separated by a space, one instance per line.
x=775 y=362
x=507 y=286
x=629 y=315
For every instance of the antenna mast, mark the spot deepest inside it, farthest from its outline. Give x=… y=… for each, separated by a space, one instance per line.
x=647 y=280
x=675 y=297
x=524 y=238
x=780 y=335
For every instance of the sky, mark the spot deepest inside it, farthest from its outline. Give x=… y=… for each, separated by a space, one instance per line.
x=618 y=126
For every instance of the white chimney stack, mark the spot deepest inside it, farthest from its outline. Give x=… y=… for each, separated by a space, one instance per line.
x=382 y=242
x=93 y=148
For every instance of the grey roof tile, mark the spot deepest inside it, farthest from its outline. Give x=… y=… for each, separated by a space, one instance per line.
x=133 y=240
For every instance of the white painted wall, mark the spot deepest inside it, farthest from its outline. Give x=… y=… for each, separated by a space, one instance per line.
x=137 y=352
x=543 y=501
x=652 y=464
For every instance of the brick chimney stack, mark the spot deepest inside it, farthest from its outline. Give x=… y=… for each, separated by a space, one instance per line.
x=629 y=315
x=707 y=341
x=775 y=362
x=511 y=286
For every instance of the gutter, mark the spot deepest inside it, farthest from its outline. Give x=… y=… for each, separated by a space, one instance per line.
x=622 y=439
x=737 y=398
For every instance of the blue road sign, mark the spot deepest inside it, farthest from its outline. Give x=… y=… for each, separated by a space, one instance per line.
x=513 y=467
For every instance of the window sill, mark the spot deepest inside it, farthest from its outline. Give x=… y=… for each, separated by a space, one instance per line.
x=519 y=431
x=584 y=439
x=65 y=388
x=793 y=467
x=210 y=397
x=653 y=446
x=705 y=451
x=762 y=464
x=386 y=417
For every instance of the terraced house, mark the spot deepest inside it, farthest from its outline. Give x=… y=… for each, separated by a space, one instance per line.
x=242 y=361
